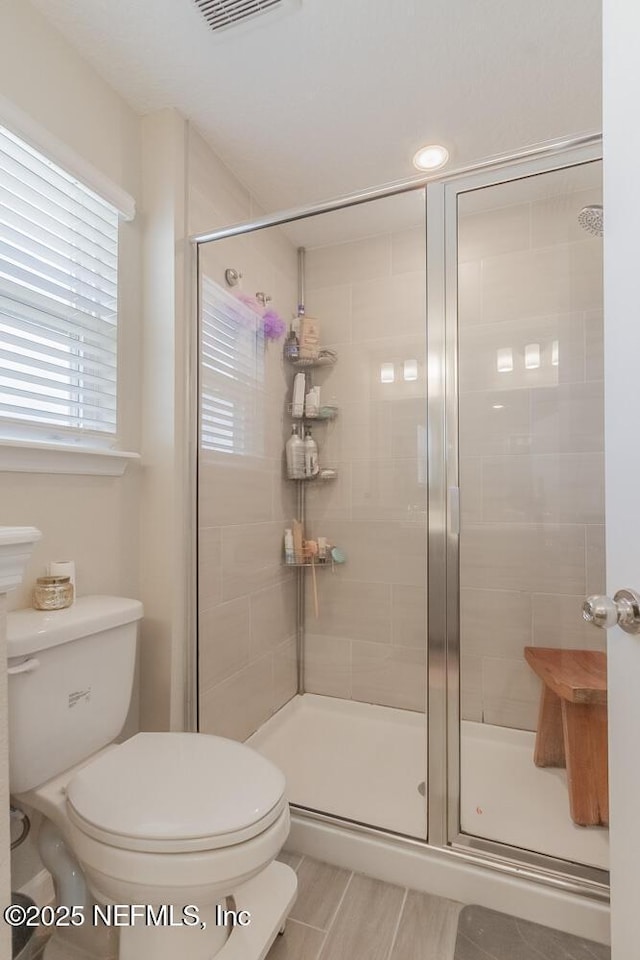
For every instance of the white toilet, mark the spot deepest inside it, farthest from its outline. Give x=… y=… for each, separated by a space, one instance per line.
x=163 y=818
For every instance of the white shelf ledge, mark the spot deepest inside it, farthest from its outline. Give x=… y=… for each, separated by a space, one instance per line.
x=26 y=456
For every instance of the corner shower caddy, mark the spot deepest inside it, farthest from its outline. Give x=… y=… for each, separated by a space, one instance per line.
x=330 y=414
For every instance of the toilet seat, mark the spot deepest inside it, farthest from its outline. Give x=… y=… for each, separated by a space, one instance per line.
x=176 y=793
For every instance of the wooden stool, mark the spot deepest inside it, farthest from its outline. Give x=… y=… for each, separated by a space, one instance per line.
x=572 y=726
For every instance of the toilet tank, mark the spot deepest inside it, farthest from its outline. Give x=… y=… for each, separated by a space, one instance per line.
x=70 y=683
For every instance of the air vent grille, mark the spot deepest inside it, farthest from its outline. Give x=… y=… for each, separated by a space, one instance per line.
x=221 y=14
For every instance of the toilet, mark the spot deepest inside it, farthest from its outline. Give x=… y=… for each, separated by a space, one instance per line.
x=163 y=821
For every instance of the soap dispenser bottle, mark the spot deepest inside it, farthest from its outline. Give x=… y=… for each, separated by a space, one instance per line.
x=295 y=455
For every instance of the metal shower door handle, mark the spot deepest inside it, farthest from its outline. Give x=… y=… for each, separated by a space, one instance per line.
x=623 y=610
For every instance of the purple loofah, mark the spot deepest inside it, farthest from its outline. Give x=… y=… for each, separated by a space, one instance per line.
x=273 y=325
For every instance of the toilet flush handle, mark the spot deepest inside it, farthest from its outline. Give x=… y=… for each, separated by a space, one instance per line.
x=27 y=666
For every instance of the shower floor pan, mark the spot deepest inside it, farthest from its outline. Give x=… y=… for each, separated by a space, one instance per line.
x=350 y=759
x=364 y=763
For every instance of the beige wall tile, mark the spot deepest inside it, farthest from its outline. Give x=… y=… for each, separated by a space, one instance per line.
x=395 y=304
x=382 y=551
x=409 y=250
x=528 y=283
x=329 y=501
x=356 y=377
x=494 y=623
x=503 y=230
x=409 y=426
x=596 y=559
x=558 y=622
x=470 y=687
x=393 y=676
x=348 y=262
x=236 y=707
x=327 y=665
x=224 y=639
x=331 y=306
x=568 y=418
x=562 y=488
x=352 y=609
x=586 y=266
x=273 y=616
x=495 y=423
x=285 y=673
x=594 y=344
x=409 y=615
x=209 y=567
x=555 y=220
x=469 y=293
x=389 y=490
x=471 y=499
x=529 y=557
x=251 y=558
x=362 y=431
x=235 y=490
x=480 y=343
x=511 y=693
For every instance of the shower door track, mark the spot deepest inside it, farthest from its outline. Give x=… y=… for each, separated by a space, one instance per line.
x=443 y=809
x=501 y=858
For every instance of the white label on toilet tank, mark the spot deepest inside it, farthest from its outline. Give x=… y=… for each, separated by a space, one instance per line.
x=77 y=695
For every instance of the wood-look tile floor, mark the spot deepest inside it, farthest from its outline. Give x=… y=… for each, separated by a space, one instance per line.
x=340 y=915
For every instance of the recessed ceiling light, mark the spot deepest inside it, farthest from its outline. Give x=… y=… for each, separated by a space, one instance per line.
x=431 y=158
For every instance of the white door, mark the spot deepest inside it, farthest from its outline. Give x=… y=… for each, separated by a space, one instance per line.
x=622 y=457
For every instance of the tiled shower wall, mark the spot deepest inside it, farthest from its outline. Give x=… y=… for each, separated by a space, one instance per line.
x=247 y=601
x=531 y=444
x=369 y=640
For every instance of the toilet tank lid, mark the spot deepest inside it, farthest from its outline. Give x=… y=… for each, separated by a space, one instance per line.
x=29 y=631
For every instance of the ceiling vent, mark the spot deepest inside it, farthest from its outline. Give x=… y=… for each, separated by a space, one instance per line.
x=222 y=14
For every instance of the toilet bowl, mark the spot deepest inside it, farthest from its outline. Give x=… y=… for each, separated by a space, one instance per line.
x=162 y=821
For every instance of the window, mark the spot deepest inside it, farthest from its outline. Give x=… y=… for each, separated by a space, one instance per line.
x=231 y=372
x=58 y=302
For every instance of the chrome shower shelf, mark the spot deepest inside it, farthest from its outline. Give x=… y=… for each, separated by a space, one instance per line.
x=324 y=360
x=325 y=414
x=318 y=477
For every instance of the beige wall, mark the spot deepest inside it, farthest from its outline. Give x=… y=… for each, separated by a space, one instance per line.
x=531 y=440
x=89 y=519
x=247 y=599
x=369 y=642
x=93 y=520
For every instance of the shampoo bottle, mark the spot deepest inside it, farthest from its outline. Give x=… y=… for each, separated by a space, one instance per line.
x=310 y=455
x=289 y=555
x=297 y=400
x=295 y=454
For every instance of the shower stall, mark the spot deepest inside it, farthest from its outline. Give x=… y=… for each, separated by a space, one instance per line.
x=461 y=481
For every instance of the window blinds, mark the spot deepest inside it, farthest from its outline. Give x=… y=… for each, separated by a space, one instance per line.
x=231 y=374
x=58 y=298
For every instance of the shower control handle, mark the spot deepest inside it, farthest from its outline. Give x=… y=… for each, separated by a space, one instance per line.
x=623 y=610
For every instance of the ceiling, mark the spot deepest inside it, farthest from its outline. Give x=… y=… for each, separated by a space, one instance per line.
x=338 y=94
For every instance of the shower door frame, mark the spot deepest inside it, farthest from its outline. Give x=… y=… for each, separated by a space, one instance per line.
x=443 y=640
x=443 y=617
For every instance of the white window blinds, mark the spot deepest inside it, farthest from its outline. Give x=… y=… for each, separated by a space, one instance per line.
x=231 y=374
x=58 y=300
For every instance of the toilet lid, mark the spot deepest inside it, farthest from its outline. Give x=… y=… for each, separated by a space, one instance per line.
x=176 y=792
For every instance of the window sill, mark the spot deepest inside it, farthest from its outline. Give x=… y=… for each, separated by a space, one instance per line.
x=26 y=456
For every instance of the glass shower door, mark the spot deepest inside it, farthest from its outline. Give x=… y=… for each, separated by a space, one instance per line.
x=533 y=761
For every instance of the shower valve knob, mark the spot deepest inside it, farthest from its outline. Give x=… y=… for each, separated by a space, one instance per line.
x=623 y=610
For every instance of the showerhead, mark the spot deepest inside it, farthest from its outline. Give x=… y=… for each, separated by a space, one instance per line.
x=591 y=218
